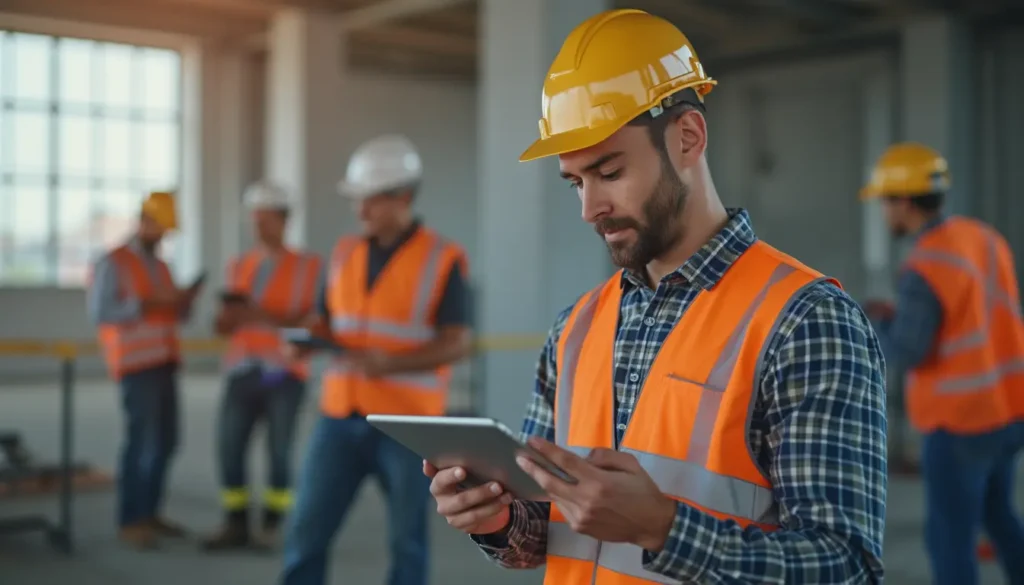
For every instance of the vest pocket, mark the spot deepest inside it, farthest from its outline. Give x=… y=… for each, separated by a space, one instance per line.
x=679 y=381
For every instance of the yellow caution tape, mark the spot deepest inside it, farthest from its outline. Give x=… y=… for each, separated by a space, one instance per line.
x=67 y=349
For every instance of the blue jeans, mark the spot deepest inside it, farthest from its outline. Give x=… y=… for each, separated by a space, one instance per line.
x=248 y=399
x=969 y=484
x=342 y=452
x=150 y=402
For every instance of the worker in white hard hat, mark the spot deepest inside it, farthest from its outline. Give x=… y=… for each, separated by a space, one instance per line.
x=137 y=309
x=396 y=300
x=269 y=287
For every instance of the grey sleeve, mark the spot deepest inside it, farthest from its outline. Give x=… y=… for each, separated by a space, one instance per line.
x=104 y=305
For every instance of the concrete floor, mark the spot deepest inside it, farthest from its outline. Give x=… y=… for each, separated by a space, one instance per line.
x=359 y=553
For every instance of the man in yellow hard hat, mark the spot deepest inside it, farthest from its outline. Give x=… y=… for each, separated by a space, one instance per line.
x=720 y=405
x=136 y=306
x=957 y=331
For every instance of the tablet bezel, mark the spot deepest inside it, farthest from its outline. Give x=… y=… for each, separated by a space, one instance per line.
x=485 y=447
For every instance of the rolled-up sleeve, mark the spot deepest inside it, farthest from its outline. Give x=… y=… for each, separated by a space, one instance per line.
x=909 y=338
x=105 y=306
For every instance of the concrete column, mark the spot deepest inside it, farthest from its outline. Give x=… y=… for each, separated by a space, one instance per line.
x=879 y=132
x=303 y=120
x=537 y=254
x=937 y=97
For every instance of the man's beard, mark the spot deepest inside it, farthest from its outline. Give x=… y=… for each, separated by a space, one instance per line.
x=659 y=230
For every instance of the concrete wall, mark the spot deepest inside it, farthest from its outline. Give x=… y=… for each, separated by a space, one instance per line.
x=792 y=144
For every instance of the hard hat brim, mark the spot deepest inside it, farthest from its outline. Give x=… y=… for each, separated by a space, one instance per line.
x=568 y=142
x=358 y=193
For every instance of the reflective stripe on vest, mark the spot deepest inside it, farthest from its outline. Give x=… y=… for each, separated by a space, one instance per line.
x=257 y=345
x=419 y=329
x=995 y=297
x=690 y=479
x=425 y=381
x=393 y=313
x=152 y=340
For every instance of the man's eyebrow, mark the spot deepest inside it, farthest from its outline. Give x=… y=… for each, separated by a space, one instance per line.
x=594 y=165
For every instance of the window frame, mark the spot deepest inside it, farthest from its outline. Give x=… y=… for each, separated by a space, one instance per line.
x=56 y=29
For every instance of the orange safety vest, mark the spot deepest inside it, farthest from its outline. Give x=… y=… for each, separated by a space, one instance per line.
x=151 y=341
x=690 y=427
x=395 y=315
x=974 y=380
x=290 y=290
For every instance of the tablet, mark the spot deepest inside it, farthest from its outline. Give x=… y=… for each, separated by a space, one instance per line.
x=305 y=339
x=484 y=447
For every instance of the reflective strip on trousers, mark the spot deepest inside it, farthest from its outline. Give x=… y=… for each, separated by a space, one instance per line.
x=426 y=381
x=418 y=329
x=994 y=296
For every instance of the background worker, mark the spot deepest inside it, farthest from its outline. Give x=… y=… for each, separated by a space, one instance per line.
x=956 y=329
x=268 y=287
x=396 y=298
x=137 y=308
x=721 y=405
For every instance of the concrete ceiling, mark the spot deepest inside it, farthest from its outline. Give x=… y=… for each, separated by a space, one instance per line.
x=439 y=37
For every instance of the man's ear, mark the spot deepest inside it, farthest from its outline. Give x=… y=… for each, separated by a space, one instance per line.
x=692 y=135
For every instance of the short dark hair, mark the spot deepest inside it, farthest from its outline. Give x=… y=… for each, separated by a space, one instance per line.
x=929 y=203
x=673 y=107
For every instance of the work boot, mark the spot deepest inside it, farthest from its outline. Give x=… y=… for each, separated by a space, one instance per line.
x=269 y=536
x=166 y=528
x=139 y=536
x=233 y=534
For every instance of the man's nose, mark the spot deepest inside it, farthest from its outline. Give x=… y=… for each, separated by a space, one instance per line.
x=593 y=205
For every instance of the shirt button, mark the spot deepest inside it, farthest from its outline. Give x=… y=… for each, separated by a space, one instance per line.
x=621 y=426
x=634 y=377
x=649 y=321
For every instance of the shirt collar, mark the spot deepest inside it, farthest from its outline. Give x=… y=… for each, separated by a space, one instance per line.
x=707 y=266
x=136 y=246
x=930 y=225
x=406 y=235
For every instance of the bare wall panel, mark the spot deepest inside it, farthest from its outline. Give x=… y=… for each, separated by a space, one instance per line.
x=791 y=145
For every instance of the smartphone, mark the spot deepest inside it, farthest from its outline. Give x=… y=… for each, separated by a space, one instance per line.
x=305 y=339
x=233 y=298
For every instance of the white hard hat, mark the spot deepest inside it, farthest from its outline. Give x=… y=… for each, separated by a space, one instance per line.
x=380 y=165
x=266 y=195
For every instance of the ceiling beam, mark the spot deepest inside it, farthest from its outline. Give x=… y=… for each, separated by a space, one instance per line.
x=390 y=10
x=133 y=14
x=420 y=40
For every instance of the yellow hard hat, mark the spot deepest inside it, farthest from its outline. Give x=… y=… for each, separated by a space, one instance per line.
x=908 y=169
x=159 y=206
x=612 y=68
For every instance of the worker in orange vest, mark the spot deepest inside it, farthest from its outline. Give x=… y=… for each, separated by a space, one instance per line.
x=137 y=308
x=396 y=301
x=269 y=287
x=720 y=405
x=956 y=330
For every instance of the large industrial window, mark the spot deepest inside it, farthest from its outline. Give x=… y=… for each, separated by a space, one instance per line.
x=86 y=128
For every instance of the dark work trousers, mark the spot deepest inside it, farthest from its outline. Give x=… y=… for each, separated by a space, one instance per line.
x=968 y=482
x=252 y=396
x=150 y=402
